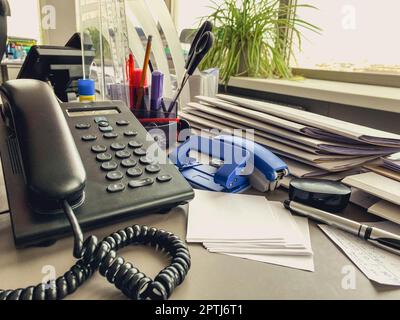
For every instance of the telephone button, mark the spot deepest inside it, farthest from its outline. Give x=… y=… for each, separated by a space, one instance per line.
x=134 y=172
x=129 y=163
x=106 y=129
x=123 y=154
x=103 y=124
x=100 y=119
x=155 y=168
x=135 y=144
x=83 y=126
x=109 y=166
x=116 y=187
x=89 y=138
x=140 y=152
x=122 y=123
x=131 y=133
x=164 y=178
x=141 y=183
x=115 y=175
x=99 y=149
x=111 y=135
x=146 y=160
x=104 y=157
x=118 y=146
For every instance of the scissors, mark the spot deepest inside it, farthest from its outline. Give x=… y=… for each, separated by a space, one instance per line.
x=201 y=45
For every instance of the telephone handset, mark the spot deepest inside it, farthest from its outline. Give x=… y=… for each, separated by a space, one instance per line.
x=39 y=126
x=51 y=191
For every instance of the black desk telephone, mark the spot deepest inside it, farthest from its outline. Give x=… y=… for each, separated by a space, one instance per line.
x=50 y=188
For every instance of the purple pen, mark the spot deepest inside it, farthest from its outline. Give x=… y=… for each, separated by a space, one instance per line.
x=157 y=88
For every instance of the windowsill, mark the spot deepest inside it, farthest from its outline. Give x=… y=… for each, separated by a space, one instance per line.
x=358 y=95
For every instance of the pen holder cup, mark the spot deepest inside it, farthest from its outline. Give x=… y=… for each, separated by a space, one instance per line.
x=146 y=115
x=165 y=127
x=139 y=100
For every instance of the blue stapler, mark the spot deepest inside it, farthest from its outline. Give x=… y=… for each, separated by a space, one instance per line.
x=235 y=165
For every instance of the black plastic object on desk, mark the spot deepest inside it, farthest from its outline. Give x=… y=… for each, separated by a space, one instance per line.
x=106 y=135
x=324 y=195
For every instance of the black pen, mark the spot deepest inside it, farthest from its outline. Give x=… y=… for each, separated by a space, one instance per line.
x=378 y=237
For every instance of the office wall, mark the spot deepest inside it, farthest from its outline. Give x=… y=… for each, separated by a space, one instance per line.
x=65 y=21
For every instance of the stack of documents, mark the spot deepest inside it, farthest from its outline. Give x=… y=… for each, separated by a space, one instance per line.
x=313 y=145
x=249 y=227
x=386 y=192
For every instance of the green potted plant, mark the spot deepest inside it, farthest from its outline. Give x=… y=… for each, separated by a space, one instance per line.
x=255 y=38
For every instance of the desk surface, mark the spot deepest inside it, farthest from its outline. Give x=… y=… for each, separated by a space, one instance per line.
x=212 y=276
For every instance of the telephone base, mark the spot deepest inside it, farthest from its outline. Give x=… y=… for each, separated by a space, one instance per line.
x=102 y=206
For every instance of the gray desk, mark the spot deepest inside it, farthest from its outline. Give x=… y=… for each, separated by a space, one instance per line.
x=212 y=276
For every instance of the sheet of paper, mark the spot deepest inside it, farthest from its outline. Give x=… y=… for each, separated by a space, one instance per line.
x=377 y=264
x=386 y=210
x=305 y=263
x=219 y=216
x=377 y=185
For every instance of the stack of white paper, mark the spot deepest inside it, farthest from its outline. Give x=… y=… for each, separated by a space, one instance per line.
x=321 y=143
x=249 y=227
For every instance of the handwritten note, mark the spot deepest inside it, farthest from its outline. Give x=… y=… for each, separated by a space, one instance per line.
x=377 y=264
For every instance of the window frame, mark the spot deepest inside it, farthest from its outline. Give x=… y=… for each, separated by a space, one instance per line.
x=368 y=78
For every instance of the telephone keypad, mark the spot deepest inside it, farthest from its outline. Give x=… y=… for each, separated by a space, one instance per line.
x=123 y=162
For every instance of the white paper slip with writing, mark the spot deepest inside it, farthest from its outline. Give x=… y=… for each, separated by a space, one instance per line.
x=377 y=264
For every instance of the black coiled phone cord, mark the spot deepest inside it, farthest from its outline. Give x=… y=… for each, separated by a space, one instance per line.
x=103 y=257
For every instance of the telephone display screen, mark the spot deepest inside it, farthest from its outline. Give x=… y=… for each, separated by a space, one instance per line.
x=75 y=113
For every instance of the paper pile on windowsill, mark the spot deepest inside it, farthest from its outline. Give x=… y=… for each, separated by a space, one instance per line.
x=250 y=227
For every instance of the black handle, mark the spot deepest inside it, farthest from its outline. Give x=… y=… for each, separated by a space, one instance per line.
x=203 y=47
x=207 y=26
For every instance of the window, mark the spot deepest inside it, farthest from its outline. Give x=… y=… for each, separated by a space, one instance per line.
x=357 y=35
x=25 y=19
x=188 y=13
